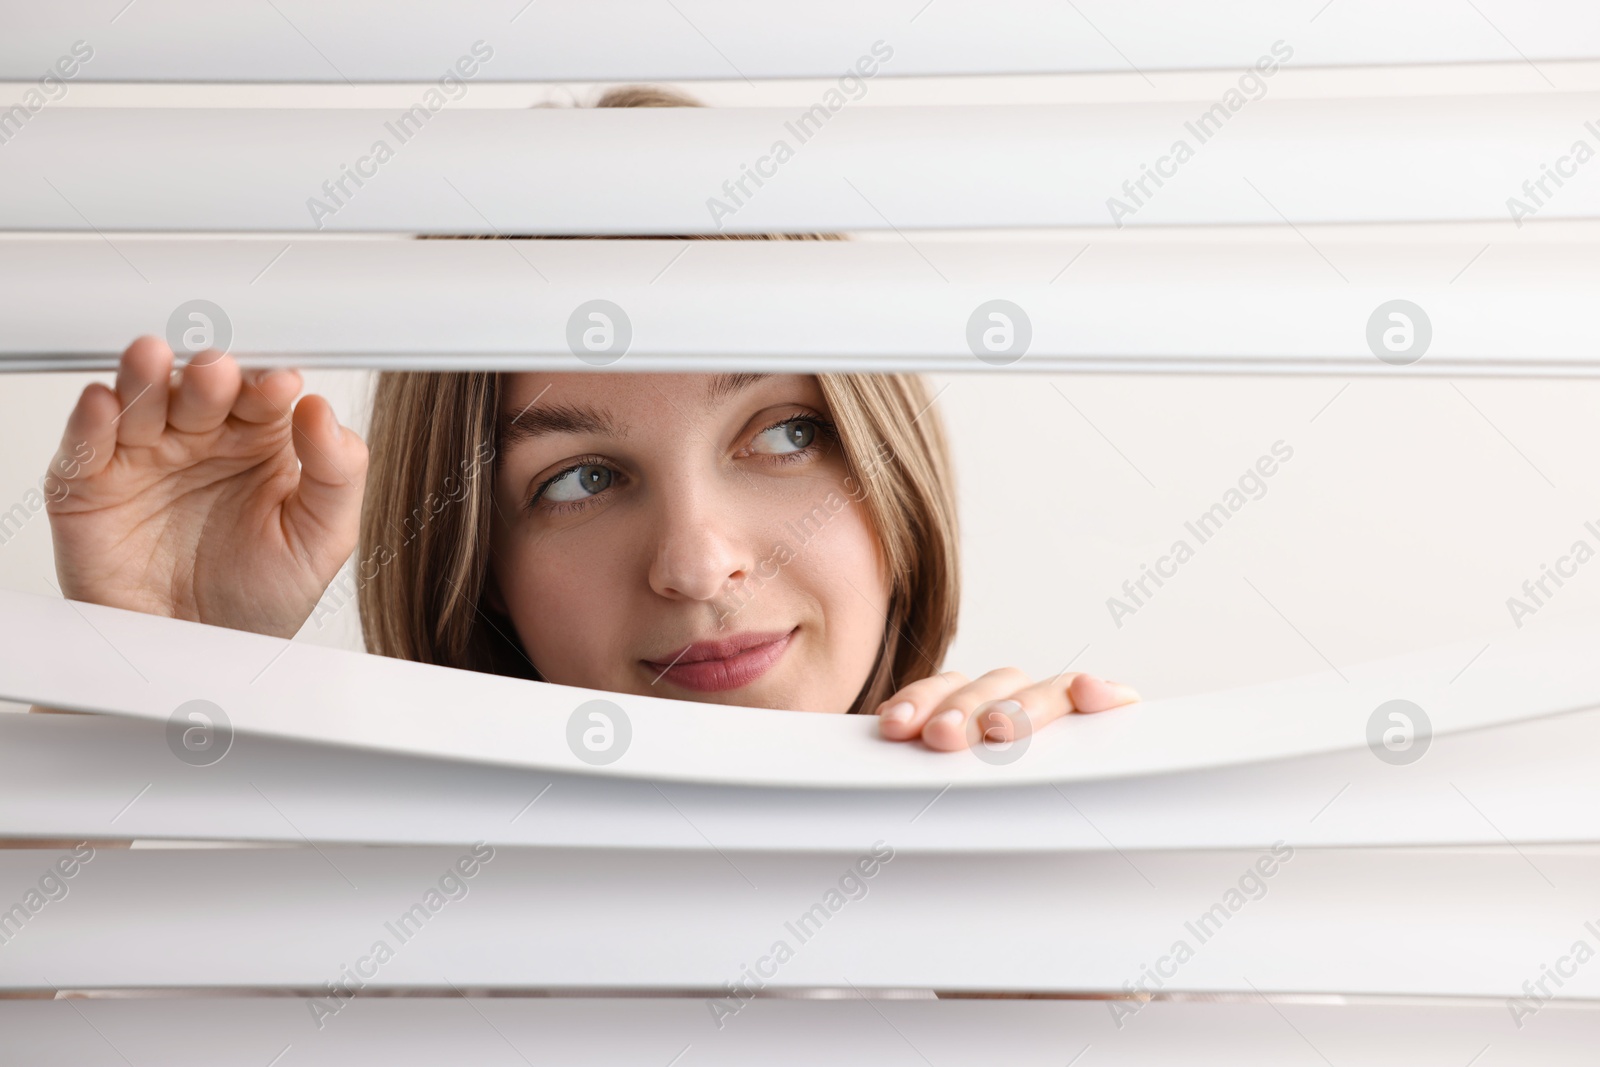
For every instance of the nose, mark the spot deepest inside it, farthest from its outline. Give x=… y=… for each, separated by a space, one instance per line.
x=700 y=553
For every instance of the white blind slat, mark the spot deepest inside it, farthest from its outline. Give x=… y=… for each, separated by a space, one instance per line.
x=199 y=1031
x=689 y=170
x=87 y=657
x=1233 y=300
x=554 y=40
x=70 y=777
x=1382 y=921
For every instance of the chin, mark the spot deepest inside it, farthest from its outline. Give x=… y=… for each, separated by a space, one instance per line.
x=756 y=696
x=815 y=703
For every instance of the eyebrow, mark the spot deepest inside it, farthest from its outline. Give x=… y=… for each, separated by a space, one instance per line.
x=725 y=385
x=540 y=420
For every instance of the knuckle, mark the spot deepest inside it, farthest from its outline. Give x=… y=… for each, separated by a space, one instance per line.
x=925 y=686
x=1007 y=674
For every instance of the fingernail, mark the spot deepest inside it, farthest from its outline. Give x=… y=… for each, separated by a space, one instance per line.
x=953 y=717
x=899 y=712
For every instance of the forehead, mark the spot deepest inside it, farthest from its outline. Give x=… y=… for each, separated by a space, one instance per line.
x=599 y=389
x=604 y=404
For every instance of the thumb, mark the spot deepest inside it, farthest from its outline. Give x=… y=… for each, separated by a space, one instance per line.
x=324 y=511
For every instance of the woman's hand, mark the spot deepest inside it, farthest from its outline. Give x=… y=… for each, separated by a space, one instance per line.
x=204 y=498
x=950 y=711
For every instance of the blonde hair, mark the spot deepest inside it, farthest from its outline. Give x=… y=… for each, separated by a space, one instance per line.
x=425 y=596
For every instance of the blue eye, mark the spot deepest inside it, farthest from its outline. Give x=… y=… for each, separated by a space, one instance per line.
x=793 y=435
x=577 y=483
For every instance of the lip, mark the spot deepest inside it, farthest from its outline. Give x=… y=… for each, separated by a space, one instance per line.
x=713 y=666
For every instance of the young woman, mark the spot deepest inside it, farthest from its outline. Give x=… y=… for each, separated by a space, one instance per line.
x=765 y=540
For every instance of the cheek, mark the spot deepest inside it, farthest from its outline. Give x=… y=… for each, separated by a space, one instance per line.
x=853 y=586
x=850 y=578
x=561 y=606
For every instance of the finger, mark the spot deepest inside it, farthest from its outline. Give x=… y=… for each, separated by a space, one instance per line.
x=142 y=377
x=88 y=442
x=325 y=508
x=901 y=716
x=1027 y=710
x=1090 y=693
x=204 y=394
x=1022 y=712
x=952 y=726
x=267 y=395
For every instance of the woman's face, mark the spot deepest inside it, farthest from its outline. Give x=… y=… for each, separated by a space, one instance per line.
x=649 y=527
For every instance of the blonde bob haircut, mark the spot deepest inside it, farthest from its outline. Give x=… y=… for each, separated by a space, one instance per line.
x=425 y=523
